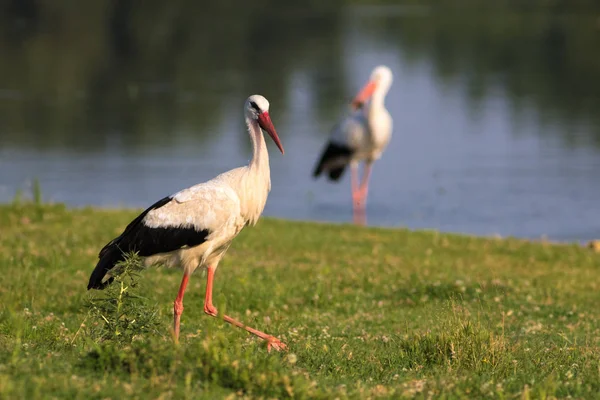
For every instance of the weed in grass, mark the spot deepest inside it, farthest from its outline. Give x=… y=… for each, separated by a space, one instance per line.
x=119 y=313
x=461 y=345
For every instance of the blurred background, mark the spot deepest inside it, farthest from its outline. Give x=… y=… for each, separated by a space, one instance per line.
x=496 y=107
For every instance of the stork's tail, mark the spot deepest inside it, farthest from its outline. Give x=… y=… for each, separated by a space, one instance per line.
x=334 y=159
x=107 y=261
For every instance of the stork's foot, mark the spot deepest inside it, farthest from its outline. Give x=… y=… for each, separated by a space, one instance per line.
x=210 y=310
x=273 y=342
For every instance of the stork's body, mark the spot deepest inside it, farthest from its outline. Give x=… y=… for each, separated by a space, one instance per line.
x=194 y=227
x=361 y=136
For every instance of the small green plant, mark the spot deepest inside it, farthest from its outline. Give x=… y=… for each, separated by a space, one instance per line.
x=36 y=191
x=120 y=313
x=36 y=202
x=18 y=199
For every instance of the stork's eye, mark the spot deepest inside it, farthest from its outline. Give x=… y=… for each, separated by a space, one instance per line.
x=255 y=106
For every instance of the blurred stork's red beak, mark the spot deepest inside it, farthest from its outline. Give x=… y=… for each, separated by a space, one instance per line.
x=364 y=95
x=264 y=120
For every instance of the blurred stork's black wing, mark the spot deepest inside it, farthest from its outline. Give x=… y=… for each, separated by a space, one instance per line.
x=334 y=159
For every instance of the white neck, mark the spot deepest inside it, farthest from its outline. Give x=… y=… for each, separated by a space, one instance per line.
x=260 y=154
x=377 y=103
x=256 y=181
x=378 y=97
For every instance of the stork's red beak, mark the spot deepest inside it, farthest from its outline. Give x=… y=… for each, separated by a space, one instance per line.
x=364 y=95
x=264 y=120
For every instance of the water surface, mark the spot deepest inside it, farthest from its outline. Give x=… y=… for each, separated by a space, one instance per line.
x=496 y=121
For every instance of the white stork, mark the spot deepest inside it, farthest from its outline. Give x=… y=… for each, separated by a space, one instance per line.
x=361 y=136
x=194 y=227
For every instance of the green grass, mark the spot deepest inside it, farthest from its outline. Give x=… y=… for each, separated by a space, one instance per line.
x=365 y=313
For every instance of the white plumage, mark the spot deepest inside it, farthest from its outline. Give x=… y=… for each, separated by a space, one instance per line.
x=361 y=136
x=195 y=227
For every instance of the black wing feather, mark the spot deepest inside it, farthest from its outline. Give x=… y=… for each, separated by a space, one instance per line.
x=146 y=241
x=334 y=159
x=133 y=224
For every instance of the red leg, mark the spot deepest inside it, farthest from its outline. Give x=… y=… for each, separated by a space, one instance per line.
x=272 y=341
x=178 y=305
x=360 y=217
x=355 y=186
x=208 y=305
x=354 y=177
x=364 y=186
x=210 y=309
x=359 y=193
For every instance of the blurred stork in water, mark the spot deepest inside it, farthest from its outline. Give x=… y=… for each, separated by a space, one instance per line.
x=194 y=227
x=361 y=136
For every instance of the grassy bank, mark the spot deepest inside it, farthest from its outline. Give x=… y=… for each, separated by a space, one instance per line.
x=365 y=313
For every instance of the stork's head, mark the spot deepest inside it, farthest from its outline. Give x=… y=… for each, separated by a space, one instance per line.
x=257 y=110
x=380 y=80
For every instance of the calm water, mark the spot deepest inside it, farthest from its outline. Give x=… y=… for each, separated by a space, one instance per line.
x=496 y=117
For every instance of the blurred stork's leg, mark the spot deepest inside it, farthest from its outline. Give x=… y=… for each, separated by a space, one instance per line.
x=360 y=217
x=209 y=308
x=364 y=186
x=359 y=192
x=355 y=186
